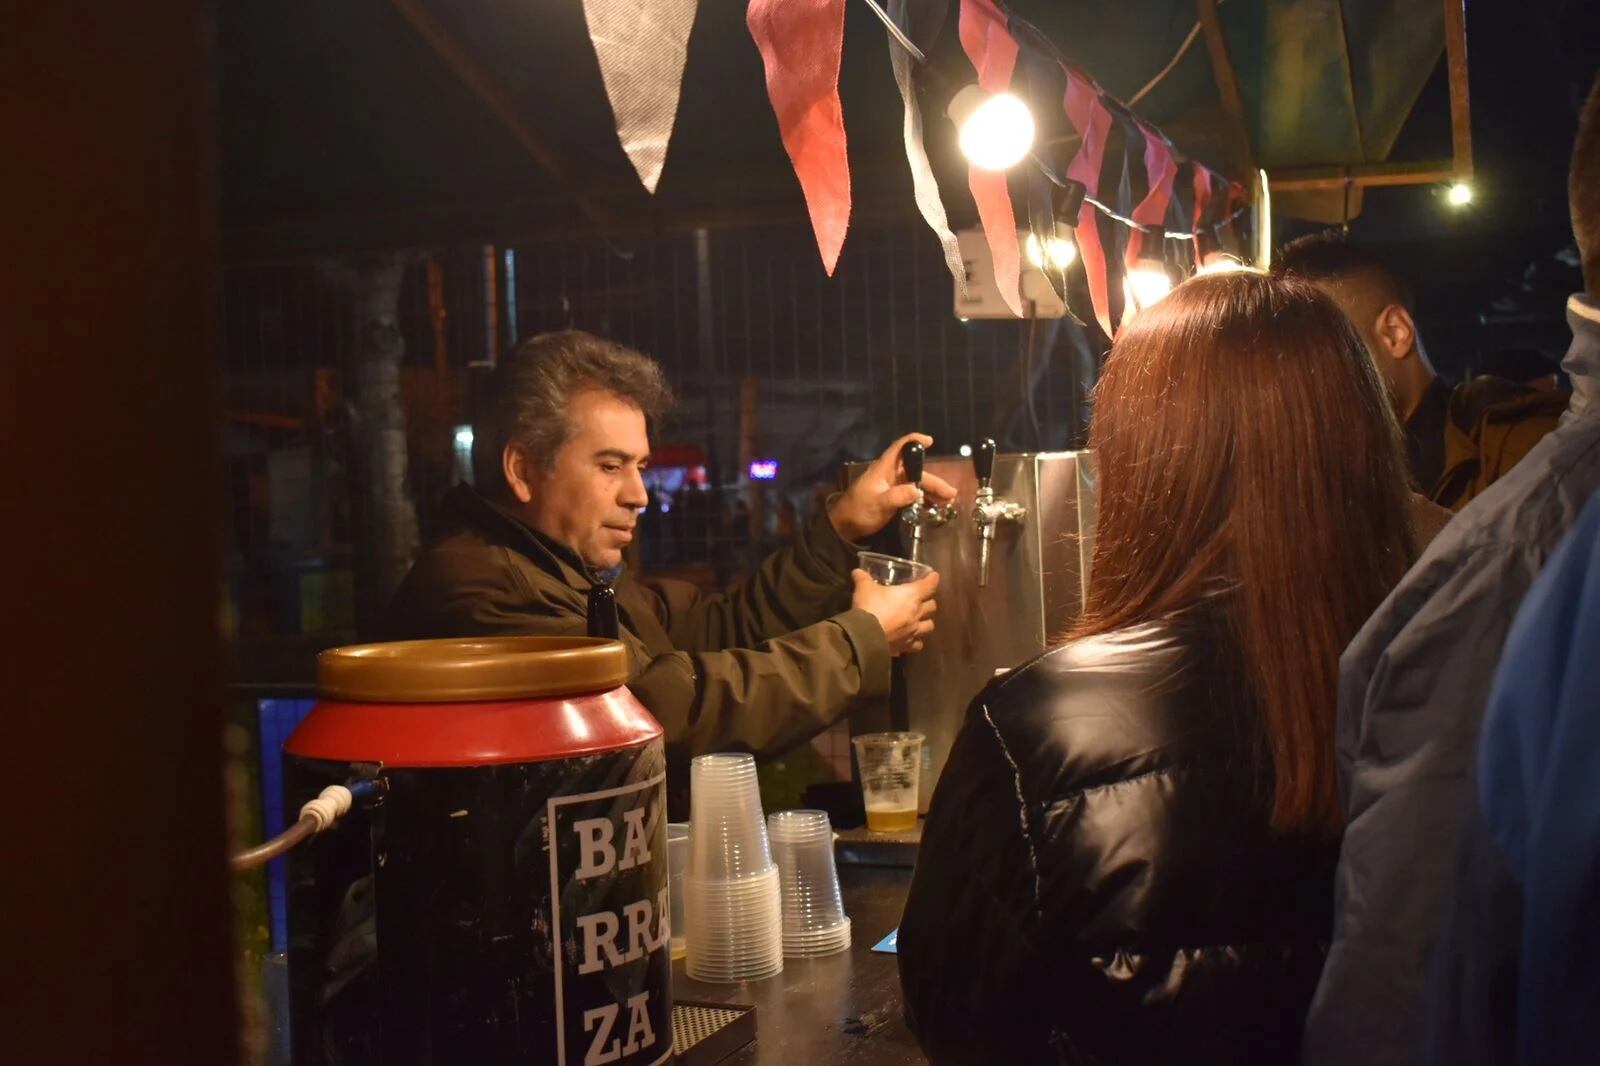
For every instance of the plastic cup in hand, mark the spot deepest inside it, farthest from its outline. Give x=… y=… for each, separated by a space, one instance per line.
x=890 y=764
x=891 y=569
x=814 y=922
x=677 y=863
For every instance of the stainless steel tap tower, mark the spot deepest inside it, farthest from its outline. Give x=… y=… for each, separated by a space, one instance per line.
x=1013 y=557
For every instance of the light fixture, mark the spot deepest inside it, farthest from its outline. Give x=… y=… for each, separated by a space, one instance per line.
x=1146 y=284
x=1058 y=252
x=966 y=451
x=464 y=436
x=995 y=131
x=1458 y=194
x=1223 y=263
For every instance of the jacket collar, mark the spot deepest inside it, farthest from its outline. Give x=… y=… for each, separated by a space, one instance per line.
x=1582 y=363
x=472 y=509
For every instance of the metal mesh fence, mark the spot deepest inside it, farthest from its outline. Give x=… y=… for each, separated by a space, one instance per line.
x=775 y=364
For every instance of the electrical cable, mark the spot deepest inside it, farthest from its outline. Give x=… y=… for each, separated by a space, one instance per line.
x=1042 y=45
x=265 y=852
x=333 y=803
x=1194 y=32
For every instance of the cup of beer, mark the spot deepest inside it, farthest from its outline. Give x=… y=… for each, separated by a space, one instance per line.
x=890 y=765
x=891 y=569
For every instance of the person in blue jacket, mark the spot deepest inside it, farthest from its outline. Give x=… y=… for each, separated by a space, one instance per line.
x=1412 y=689
x=1517 y=972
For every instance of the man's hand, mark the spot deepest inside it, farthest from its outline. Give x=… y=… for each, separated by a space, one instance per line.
x=904 y=611
x=875 y=497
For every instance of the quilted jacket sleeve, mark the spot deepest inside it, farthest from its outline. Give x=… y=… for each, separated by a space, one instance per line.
x=968 y=944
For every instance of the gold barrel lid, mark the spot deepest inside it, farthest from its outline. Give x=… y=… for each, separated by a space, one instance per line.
x=471 y=668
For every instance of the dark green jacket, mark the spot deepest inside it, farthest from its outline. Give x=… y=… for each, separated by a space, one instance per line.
x=761 y=668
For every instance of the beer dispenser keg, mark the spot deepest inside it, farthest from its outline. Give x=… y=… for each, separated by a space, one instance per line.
x=500 y=894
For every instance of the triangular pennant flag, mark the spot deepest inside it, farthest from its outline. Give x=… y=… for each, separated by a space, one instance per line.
x=993 y=51
x=642 y=46
x=1160 y=170
x=926 y=188
x=1093 y=123
x=801 y=42
x=1204 y=240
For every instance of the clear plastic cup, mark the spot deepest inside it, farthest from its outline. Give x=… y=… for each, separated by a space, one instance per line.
x=677 y=863
x=814 y=922
x=729 y=841
x=734 y=928
x=890 y=765
x=732 y=901
x=891 y=569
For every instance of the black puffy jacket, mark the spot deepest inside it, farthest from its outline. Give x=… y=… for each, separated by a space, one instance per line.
x=1097 y=882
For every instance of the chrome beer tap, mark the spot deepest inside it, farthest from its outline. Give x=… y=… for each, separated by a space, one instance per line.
x=988 y=512
x=921 y=514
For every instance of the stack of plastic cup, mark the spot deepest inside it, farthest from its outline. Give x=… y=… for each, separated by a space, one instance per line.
x=677 y=863
x=733 y=907
x=814 y=921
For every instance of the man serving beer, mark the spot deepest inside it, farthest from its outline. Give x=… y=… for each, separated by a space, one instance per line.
x=560 y=462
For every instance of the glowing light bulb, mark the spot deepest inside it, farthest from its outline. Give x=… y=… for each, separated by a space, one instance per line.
x=1058 y=252
x=464 y=436
x=1224 y=264
x=1459 y=194
x=995 y=132
x=1146 y=285
x=966 y=451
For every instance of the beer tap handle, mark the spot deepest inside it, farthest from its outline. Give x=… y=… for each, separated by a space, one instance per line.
x=983 y=461
x=911 y=458
x=603 y=611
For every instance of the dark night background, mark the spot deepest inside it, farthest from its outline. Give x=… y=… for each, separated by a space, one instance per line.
x=345 y=139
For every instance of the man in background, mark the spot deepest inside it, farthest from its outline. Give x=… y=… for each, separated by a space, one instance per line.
x=1459 y=439
x=1412 y=689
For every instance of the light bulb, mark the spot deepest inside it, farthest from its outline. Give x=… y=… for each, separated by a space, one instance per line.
x=1224 y=264
x=966 y=451
x=1459 y=194
x=464 y=436
x=995 y=132
x=1146 y=285
x=1058 y=252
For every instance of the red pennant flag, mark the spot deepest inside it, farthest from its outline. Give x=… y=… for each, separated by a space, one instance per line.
x=1161 y=169
x=1093 y=122
x=801 y=42
x=1202 y=200
x=993 y=51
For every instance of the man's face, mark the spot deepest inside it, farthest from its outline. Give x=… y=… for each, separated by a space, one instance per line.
x=591 y=496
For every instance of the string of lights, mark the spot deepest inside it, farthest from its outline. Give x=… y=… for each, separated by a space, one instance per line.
x=1042 y=44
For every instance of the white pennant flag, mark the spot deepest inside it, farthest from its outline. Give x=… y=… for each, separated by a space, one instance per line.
x=925 y=188
x=642 y=46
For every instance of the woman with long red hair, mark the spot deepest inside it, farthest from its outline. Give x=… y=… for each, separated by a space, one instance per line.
x=1129 y=855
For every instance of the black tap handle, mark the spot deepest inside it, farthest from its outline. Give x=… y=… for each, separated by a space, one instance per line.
x=983 y=460
x=911 y=458
x=603 y=612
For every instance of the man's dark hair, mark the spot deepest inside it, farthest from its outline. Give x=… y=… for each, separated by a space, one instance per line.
x=533 y=385
x=1583 y=190
x=1331 y=256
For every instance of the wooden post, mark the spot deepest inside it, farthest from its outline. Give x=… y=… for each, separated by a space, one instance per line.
x=1227 y=86
x=117 y=939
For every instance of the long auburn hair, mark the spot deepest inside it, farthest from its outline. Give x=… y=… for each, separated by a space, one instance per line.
x=1248 y=462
